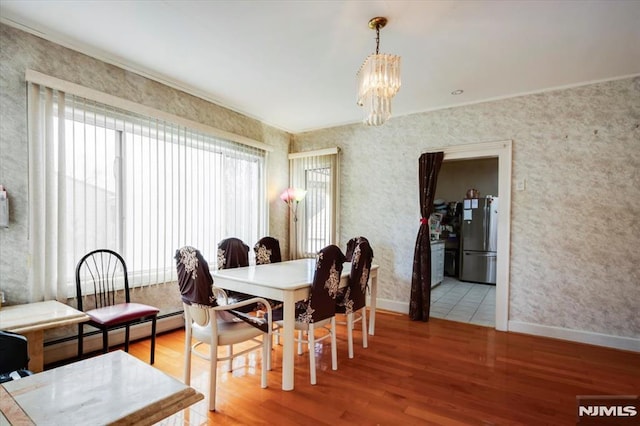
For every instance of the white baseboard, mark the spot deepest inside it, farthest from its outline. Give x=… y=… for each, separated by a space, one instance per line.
x=599 y=339
x=69 y=349
x=393 y=306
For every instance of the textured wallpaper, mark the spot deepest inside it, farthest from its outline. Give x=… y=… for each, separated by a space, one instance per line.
x=20 y=51
x=575 y=230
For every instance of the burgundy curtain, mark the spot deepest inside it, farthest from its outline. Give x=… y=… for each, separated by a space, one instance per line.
x=420 y=303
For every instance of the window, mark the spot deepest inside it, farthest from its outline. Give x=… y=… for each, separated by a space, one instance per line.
x=317 y=172
x=139 y=185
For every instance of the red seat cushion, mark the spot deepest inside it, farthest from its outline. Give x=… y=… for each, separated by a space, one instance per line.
x=121 y=313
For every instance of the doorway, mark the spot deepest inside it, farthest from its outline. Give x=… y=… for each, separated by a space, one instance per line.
x=462 y=301
x=502 y=150
x=457 y=299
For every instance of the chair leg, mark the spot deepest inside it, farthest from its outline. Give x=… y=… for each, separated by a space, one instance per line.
x=299 y=342
x=350 y=334
x=153 y=339
x=266 y=360
x=230 y=362
x=269 y=338
x=334 y=345
x=105 y=340
x=312 y=353
x=80 y=340
x=126 y=338
x=213 y=370
x=186 y=377
x=363 y=312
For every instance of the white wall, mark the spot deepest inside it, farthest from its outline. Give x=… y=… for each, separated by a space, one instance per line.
x=575 y=229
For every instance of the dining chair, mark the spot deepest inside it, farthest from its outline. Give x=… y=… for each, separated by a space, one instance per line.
x=351 y=245
x=208 y=322
x=234 y=253
x=351 y=301
x=317 y=313
x=102 y=292
x=14 y=356
x=267 y=250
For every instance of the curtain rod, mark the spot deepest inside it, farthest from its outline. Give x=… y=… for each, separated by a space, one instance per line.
x=316 y=153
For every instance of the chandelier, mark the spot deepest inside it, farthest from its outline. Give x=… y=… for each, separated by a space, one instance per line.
x=378 y=81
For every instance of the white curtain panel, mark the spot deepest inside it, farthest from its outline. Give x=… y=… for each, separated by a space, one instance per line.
x=104 y=177
x=47 y=239
x=318 y=173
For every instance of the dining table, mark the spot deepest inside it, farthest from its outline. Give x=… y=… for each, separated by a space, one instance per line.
x=31 y=319
x=288 y=282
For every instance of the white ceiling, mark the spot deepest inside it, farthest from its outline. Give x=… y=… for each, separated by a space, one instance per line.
x=292 y=64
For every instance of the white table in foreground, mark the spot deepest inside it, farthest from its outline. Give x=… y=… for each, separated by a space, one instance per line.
x=288 y=282
x=114 y=388
x=32 y=319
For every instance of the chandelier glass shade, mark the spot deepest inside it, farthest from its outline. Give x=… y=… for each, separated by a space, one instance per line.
x=378 y=81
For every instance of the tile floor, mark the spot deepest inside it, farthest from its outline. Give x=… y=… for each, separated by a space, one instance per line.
x=464 y=302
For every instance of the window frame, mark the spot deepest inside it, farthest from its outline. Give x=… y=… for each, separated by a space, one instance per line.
x=300 y=232
x=228 y=146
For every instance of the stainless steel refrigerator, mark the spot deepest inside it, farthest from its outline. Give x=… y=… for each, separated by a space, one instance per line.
x=479 y=243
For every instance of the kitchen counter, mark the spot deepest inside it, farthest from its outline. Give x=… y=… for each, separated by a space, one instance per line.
x=437 y=262
x=449 y=243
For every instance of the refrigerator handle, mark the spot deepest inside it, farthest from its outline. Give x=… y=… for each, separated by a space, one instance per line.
x=485 y=225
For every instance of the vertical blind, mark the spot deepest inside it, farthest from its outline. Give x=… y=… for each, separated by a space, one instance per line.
x=104 y=177
x=317 y=227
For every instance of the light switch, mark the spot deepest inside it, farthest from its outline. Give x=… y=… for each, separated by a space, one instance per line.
x=4 y=208
x=520 y=184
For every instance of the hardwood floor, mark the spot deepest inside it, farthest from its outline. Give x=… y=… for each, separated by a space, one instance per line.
x=413 y=373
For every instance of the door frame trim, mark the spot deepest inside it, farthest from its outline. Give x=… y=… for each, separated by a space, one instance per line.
x=503 y=151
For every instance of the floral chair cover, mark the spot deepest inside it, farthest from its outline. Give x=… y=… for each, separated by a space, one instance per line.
x=196 y=283
x=267 y=250
x=351 y=245
x=194 y=278
x=232 y=253
x=353 y=297
x=321 y=303
x=196 y=288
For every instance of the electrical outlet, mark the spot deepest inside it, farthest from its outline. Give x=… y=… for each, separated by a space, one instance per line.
x=520 y=184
